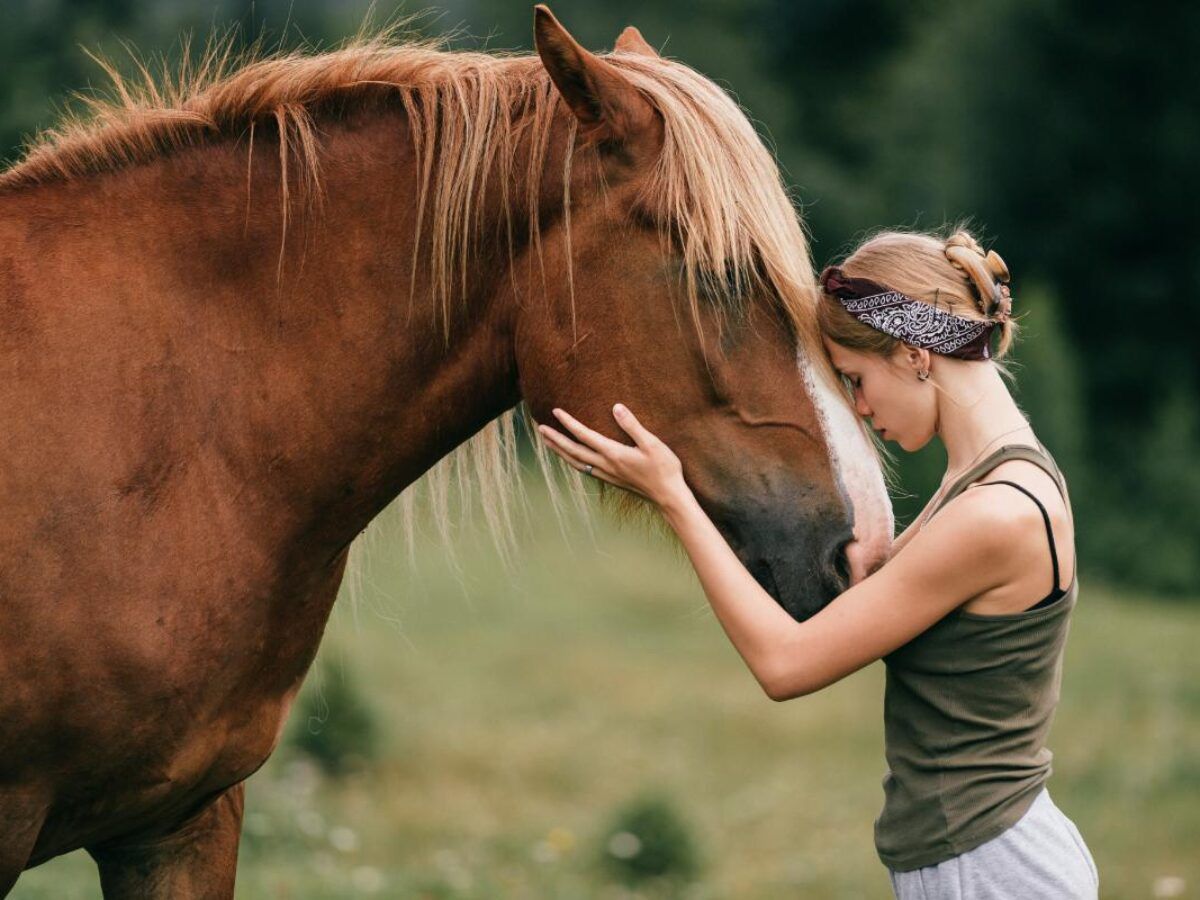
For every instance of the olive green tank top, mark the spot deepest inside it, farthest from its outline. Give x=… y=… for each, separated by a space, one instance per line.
x=967 y=708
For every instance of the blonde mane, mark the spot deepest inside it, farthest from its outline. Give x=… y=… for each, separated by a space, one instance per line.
x=716 y=188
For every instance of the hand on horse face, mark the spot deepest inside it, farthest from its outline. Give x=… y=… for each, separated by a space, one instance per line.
x=648 y=468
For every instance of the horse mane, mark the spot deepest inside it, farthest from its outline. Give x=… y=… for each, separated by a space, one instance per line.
x=716 y=188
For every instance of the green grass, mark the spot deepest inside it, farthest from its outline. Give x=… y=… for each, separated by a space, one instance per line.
x=520 y=710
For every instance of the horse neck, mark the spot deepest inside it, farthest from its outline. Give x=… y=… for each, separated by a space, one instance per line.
x=334 y=387
x=403 y=380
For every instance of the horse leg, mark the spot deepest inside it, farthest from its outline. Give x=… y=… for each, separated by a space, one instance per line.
x=196 y=861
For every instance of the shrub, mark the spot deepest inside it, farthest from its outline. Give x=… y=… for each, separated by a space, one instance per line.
x=649 y=840
x=334 y=724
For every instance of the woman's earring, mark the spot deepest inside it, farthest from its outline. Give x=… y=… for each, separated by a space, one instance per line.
x=923 y=374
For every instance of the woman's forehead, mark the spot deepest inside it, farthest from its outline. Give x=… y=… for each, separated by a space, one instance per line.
x=842 y=357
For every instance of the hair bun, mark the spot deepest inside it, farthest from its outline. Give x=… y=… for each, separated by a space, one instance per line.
x=997 y=266
x=986 y=272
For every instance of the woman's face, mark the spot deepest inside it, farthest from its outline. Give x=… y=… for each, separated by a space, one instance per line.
x=901 y=407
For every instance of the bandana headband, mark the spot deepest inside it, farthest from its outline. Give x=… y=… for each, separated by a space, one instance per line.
x=916 y=323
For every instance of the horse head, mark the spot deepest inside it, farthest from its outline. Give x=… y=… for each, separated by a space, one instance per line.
x=678 y=281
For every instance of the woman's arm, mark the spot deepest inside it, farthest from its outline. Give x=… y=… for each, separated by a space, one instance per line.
x=759 y=628
x=909 y=531
x=958 y=555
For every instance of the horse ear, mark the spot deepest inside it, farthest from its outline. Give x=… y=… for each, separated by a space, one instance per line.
x=631 y=41
x=607 y=105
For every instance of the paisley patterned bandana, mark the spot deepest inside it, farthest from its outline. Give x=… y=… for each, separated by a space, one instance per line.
x=916 y=323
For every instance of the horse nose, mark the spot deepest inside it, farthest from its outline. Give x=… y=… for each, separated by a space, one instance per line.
x=852 y=561
x=840 y=565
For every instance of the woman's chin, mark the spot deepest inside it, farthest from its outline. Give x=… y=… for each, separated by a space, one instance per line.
x=912 y=446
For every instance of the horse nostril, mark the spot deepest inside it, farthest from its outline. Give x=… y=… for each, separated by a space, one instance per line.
x=841 y=563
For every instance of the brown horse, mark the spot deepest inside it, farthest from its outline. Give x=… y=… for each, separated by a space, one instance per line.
x=238 y=317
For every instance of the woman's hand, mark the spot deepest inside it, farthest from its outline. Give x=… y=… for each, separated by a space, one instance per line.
x=648 y=468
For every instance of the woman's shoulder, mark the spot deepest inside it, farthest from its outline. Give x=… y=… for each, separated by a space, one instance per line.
x=1001 y=513
x=1004 y=514
x=980 y=509
x=966 y=513
x=1049 y=489
x=1021 y=561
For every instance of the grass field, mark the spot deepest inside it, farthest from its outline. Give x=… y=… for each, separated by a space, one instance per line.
x=519 y=710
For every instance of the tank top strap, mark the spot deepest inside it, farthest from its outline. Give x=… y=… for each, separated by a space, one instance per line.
x=1038 y=455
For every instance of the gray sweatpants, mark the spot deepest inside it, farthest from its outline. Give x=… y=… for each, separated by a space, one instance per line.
x=1041 y=857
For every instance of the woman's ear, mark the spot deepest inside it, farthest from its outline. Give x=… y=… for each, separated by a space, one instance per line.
x=917 y=358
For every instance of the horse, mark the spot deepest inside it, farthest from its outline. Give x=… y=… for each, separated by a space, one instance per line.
x=244 y=309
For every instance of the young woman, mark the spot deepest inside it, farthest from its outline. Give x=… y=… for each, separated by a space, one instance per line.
x=970 y=612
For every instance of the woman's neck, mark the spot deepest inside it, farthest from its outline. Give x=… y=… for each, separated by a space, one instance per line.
x=977 y=415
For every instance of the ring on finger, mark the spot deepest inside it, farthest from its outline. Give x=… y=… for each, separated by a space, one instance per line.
x=587 y=469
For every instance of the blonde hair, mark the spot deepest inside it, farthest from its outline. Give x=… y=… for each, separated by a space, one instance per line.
x=953 y=273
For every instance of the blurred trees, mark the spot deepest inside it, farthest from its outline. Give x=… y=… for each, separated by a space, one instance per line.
x=1066 y=130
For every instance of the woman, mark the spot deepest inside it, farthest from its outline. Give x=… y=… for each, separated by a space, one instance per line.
x=970 y=612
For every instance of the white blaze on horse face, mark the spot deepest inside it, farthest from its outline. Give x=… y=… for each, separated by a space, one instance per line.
x=857 y=472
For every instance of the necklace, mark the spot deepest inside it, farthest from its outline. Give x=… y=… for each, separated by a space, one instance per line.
x=947 y=480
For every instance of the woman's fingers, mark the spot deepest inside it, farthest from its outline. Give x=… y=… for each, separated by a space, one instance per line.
x=561 y=446
x=578 y=456
x=605 y=446
x=635 y=429
x=566 y=455
x=569 y=449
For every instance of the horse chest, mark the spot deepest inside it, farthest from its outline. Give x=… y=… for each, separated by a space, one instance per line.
x=179 y=709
